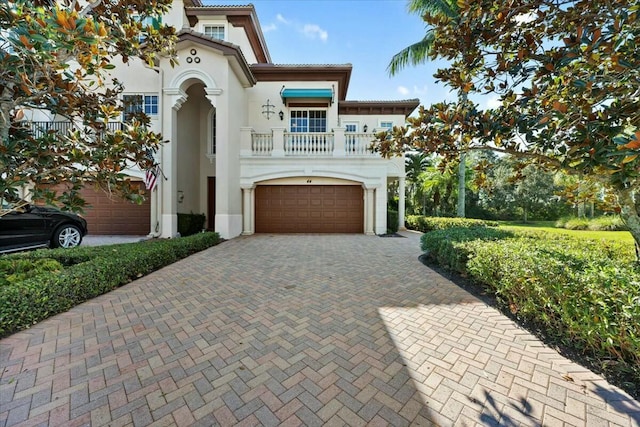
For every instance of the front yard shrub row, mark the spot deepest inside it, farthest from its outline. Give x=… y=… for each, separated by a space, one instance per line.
x=426 y=223
x=585 y=294
x=98 y=270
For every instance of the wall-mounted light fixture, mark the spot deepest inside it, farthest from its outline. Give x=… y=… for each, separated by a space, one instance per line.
x=281 y=115
x=365 y=128
x=180 y=196
x=268 y=109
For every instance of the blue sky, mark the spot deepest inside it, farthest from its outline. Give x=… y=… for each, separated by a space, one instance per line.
x=365 y=33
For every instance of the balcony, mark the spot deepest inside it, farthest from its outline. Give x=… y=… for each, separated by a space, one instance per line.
x=280 y=143
x=40 y=129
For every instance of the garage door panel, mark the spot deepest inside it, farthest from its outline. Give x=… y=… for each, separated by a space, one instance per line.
x=309 y=209
x=114 y=215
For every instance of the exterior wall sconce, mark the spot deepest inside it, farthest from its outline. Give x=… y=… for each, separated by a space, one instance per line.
x=180 y=196
x=365 y=128
x=281 y=115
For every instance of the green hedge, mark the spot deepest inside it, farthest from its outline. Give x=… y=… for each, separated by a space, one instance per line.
x=601 y=223
x=426 y=224
x=392 y=221
x=190 y=223
x=585 y=293
x=98 y=270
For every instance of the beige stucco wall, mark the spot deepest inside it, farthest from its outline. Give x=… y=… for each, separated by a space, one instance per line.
x=258 y=95
x=188 y=150
x=372 y=121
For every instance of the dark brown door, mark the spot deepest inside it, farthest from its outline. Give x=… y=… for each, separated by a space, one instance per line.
x=211 y=202
x=309 y=209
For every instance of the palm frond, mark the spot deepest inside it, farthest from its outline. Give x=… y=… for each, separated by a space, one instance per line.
x=416 y=54
x=447 y=8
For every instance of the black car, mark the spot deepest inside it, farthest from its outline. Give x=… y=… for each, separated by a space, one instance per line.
x=26 y=226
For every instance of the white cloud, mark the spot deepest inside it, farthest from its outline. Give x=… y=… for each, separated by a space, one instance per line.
x=403 y=90
x=282 y=19
x=314 y=31
x=420 y=90
x=270 y=27
x=494 y=102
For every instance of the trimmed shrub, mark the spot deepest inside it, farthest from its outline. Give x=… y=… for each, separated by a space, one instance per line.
x=190 y=223
x=447 y=246
x=576 y=224
x=23 y=303
x=576 y=289
x=392 y=221
x=15 y=270
x=584 y=293
x=426 y=224
x=601 y=223
x=607 y=223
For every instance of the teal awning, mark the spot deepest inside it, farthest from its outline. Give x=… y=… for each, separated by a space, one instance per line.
x=306 y=93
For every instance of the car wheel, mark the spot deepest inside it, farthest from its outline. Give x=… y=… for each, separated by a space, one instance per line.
x=67 y=236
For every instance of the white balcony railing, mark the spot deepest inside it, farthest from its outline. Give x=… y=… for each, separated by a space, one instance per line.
x=262 y=144
x=358 y=144
x=308 y=144
x=280 y=143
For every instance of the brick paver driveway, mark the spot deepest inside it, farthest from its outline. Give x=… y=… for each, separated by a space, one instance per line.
x=296 y=330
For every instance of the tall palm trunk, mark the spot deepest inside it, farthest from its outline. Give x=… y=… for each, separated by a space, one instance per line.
x=462 y=178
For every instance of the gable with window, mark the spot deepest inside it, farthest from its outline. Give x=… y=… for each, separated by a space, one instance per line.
x=214 y=31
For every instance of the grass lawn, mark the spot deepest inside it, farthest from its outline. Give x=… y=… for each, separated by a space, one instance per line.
x=618 y=236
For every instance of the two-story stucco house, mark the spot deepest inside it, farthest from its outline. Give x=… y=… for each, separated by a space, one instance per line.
x=256 y=146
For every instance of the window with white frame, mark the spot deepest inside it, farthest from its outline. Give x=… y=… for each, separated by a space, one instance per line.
x=308 y=121
x=351 y=126
x=214 y=31
x=135 y=104
x=386 y=125
x=148 y=21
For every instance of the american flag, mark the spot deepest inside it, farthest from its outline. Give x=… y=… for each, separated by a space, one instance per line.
x=151 y=174
x=151 y=177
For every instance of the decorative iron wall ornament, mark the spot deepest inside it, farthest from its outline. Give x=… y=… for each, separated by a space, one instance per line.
x=268 y=109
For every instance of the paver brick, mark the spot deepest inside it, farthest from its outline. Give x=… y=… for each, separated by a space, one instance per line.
x=295 y=330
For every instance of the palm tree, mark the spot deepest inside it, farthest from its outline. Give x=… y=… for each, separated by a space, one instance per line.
x=418 y=53
x=415 y=164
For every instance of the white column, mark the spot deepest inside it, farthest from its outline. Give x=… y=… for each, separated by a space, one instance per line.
x=381 y=208
x=368 y=211
x=154 y=195
x=278 y=142
x=245 y=141
x=401 y=201
x=338 y=141
x=168 y=153
x=248 y=210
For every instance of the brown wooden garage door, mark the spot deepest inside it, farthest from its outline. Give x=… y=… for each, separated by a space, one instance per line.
x=117 y=216
x=309 y=209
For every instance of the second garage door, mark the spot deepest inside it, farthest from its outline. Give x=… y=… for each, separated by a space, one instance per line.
x=114 y=215
x=309 y=209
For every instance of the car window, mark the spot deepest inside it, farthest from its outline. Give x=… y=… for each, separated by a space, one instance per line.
x=8 y=207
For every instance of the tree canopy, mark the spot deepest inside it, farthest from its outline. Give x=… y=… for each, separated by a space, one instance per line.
x=568 y=77
x=56 y=56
